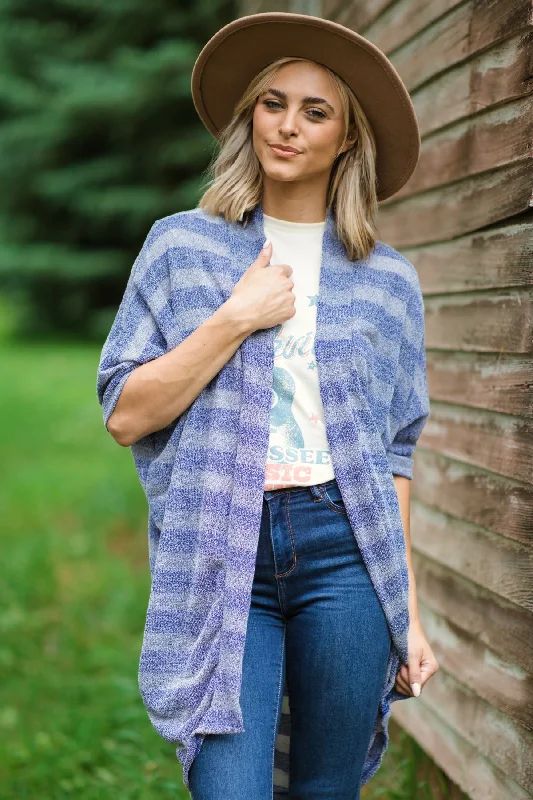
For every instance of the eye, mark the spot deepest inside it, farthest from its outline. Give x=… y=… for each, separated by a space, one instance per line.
x=317 y=115
x=320 y=113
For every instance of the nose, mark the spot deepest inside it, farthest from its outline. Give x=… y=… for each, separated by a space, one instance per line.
x=288 y=123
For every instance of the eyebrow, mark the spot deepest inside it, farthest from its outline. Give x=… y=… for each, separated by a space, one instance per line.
x=306 y=99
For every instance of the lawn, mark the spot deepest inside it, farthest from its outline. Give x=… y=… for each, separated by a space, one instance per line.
x=74 y=594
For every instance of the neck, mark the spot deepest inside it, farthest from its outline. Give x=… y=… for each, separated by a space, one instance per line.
x=293 y=202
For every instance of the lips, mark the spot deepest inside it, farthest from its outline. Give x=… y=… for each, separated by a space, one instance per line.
x=284 y=149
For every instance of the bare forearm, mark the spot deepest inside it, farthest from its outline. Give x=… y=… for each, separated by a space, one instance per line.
x=403 y=490
x=159 y=391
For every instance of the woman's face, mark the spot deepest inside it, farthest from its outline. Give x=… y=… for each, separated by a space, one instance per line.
x=301 y=110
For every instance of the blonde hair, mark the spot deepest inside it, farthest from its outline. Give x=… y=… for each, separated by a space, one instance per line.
x=235 y=182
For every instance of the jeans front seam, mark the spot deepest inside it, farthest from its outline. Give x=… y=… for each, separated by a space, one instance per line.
x=279 y=585
x=294 y=558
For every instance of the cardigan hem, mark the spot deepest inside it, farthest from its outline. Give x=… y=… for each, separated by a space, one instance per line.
x=223 y=722
x=220 y=722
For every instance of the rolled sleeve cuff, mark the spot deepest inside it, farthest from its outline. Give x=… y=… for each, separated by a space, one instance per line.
x=400 y=465
x=113 y=391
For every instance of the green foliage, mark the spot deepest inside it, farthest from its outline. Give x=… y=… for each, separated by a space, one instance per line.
x=98 y=138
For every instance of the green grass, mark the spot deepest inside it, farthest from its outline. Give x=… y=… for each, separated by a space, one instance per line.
x=74 y=591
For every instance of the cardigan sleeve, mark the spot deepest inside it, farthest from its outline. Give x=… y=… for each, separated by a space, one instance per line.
x=135 y=336
x=410 y=405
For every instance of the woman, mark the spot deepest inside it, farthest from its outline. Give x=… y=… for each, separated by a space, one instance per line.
x=268 y=407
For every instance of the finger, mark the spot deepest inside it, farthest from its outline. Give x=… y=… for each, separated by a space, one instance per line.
x=403 y=690
x=403 y=682
x=404 y=686
x=264 y=256
x=415 y=678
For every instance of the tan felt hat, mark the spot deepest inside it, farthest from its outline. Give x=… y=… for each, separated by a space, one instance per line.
x=240 y=49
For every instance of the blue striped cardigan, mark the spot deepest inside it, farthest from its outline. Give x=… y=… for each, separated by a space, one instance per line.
x=203 y=474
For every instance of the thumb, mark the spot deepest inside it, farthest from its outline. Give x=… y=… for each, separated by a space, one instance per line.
x=264 y=256
x=414 y=674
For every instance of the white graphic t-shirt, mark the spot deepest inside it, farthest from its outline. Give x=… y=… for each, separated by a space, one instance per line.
x=298 y=451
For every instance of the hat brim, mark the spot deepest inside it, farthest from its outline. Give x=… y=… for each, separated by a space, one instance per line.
x=243 y=47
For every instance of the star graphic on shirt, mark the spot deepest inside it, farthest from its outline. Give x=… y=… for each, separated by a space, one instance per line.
x=314 y=417
x=311 y=365
x=313 y=299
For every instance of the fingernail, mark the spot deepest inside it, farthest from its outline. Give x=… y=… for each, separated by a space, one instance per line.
x=267 y=242
x=416 y=689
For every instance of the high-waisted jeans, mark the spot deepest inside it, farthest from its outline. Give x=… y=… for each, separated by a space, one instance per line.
x=315 y=619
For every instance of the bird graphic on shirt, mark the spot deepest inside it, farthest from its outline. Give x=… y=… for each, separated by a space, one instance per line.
x=281 y=415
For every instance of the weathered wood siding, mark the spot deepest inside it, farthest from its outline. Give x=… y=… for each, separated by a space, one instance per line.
x=465 y=220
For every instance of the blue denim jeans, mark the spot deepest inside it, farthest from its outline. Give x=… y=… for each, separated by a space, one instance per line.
x=316 y=620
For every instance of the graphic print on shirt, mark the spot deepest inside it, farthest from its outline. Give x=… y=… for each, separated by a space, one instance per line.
x=282 y=419
x=298 y=450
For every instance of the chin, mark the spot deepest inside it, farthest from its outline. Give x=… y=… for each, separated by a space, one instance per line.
x=282 y=176
x=271 y=166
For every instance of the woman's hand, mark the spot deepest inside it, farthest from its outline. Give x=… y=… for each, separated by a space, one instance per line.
x=264 y=297
x=422 y=663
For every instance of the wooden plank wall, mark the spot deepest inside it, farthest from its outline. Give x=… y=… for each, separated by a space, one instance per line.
x=465 y=220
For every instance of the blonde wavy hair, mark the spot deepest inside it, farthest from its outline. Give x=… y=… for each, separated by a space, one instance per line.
x=235 y=181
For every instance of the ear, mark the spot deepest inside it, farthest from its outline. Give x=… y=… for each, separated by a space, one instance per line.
x=350 y=140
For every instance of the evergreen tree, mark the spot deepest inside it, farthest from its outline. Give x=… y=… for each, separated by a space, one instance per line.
x=98 y=138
